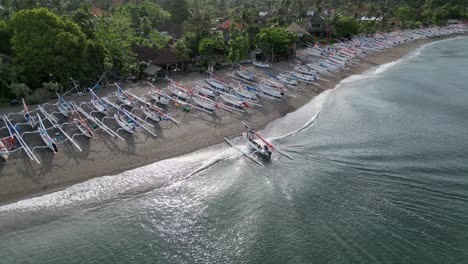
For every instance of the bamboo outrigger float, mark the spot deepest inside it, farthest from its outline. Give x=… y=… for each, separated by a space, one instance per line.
x=16 y=136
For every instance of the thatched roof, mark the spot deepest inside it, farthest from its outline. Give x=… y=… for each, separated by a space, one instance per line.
x=296 y=29
x=156 y=56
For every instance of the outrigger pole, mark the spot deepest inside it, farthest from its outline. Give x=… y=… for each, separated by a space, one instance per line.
x=132 y=116
x=245 y=154
x=55 y=124
x=97 y=122
x=13 y=132
x=270 y=145
x=159 y=110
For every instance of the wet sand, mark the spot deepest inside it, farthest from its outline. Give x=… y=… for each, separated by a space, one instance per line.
x=21 y=178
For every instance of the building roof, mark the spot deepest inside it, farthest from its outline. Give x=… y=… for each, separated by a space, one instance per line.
x=172 y=29
x=296 y=29
x=163 y=56
x=226 y=25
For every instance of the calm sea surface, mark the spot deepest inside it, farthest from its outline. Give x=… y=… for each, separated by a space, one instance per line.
x=380 y=175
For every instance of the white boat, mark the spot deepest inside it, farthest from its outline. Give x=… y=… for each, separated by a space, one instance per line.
x=270 y=91
x=50 y=143
x=84 y=128
x=179 y=92
x=287 y=79
x=242 y=91
x=304 y=77
x=31 y=120
x=4 y=153
x=64 y=107
x=125 y=98
x=246 y=75
x=151 y=114
x=216 y=84
x=204 y=103
x=99 y=104
x=260 y=64
x=159 y=97
x=204 y=90
x=124 y=124
x=232 y=100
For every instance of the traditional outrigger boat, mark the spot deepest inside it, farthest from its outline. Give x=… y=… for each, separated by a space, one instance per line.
x=50 y=143
x=204 y=90
x=64 y=107
x=179 y=92
x=216 y=84
x=260 y=64
x=151 y=113
x=245 y=74
x=31 y=120
x=83 y=127
x=4 y=153
x=126 y=124
x=159 y=97
x=205 y=103
x=99 y=104
x=124 y=97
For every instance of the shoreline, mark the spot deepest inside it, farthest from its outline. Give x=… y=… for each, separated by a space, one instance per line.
x=21 y=178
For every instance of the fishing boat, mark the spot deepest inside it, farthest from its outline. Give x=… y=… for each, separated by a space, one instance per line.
x=205 y=103
x=50 y=143
x=232 y=100
x=31 y=120
x=244 y=74
x=4 y=153
x=287 y=79
x=179 y=92
x=271 y=91
x=205 y=90
x=260 y=64
x=124 y=97
x=151 y=114
x=99 y=104
x=218 y=85
x=64 y=107
x=255 y=142
x=125 y=124
x=159 y=97
x=242 y=91
x=83 y=127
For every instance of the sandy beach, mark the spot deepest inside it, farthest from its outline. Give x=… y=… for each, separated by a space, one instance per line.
x=21 y=178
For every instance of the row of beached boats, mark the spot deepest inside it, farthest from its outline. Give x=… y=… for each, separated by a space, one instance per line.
x=245 y=88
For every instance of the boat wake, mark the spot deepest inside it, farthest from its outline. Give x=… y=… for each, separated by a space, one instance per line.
x=168 y=172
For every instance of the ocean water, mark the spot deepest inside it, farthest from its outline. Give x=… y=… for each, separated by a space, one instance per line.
x=380 y=175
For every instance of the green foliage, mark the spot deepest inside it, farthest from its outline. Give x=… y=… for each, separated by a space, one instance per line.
x=238 y=47
x=346 y=27
x=180 y=48
x=7 y=77
x=19 y=89
x=45 y=43
x=5 y=36
x=52 y=87
x=273 y=40
x=405 y=14
x=179 y=10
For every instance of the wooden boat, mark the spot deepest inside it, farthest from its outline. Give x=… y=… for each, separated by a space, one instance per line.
x=216 y=84
x=31 y=120
x=4 y=153
x=232 y=100
x=151 y=114
x=159 y=97
x=99 y=104
x=205 y=103
x=271 y=91
x=64 y=107
x=124 y=124
x=83 y=127
x=260 y=64
x=204 y=90
x=50 y=143
x=125 y=98
x=242 y=91
x=244 y=74
x=179 y=92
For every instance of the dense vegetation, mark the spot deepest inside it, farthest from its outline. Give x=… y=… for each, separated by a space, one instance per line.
x=45 y=43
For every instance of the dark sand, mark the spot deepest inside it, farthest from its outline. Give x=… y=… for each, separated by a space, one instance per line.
x=21 y=178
